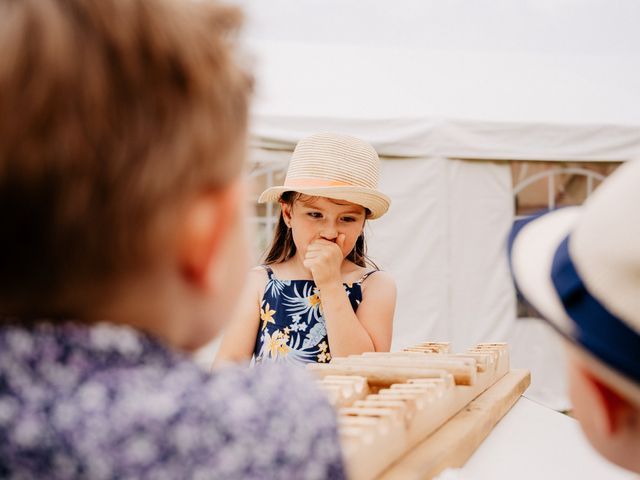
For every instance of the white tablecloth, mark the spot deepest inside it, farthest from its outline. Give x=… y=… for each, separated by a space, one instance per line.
x=533 y=442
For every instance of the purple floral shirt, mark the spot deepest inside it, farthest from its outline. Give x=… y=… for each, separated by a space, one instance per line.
x=107 y=402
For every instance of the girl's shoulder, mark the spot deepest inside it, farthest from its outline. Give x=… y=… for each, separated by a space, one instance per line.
x=260 y=272
x=379 y=282
x=257 y=279
x=358 y=274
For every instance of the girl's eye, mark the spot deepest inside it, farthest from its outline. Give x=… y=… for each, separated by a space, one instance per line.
x=348 y=219
x=315 y=214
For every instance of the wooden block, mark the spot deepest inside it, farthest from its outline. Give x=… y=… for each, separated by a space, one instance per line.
x=440 y=347
x=484 y=360
x=377 y=376
x=463 y=369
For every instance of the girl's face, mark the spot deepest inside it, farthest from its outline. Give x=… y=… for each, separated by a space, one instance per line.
x=313 y=218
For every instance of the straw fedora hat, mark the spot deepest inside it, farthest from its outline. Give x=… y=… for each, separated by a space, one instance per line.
x=334 y=166
x=580 y=268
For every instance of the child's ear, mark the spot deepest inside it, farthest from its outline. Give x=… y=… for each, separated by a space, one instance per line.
x=286 y=212
x=612 y=411
x=202 y=229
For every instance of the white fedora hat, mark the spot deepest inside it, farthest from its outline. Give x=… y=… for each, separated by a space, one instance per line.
x=334 y=166
x=580 y=268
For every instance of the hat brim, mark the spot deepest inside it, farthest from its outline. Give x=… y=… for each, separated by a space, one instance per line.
x=531 y=255
x=376 y=202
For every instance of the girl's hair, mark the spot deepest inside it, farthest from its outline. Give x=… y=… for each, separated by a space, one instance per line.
x=282 y=248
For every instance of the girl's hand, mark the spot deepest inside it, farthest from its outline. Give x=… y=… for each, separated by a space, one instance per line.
x=324 y=259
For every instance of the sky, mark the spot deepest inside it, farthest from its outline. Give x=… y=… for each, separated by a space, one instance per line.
x=559 y=61
x=571 y=26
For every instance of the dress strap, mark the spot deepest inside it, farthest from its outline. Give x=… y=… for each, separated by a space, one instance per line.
x=269 y=271
x=364 y=277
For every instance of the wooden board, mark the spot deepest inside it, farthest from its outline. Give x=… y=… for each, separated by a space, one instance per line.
x=452 y=444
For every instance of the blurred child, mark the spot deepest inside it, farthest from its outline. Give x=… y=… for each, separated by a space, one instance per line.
x=316 y=297
x=122 y=137
x=580 y=268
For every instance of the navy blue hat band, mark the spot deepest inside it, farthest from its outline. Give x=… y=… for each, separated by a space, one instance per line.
x=598 y=330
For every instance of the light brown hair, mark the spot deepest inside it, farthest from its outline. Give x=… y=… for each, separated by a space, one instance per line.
x=112 y=113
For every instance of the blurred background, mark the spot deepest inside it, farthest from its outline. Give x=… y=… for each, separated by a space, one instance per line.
x=482 y=112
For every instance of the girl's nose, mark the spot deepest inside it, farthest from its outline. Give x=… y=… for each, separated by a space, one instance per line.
x=329 y=233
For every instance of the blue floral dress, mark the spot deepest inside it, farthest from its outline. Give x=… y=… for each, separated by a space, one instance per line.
x=292 y=326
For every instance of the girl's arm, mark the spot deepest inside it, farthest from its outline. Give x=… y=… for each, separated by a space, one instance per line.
x=377 y=308
x=367 y=330
x=240 y=335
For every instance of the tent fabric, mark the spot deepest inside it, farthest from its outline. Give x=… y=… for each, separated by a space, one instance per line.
x=449 y=288
x=481 y=208
x=411 y=243
x=468 y=139
x=433 y=104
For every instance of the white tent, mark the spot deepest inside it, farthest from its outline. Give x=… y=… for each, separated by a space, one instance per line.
x=447 y=92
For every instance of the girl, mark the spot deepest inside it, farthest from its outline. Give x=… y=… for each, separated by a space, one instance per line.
x=315 y=298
